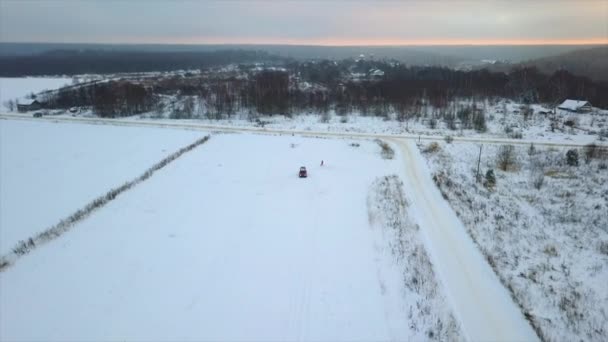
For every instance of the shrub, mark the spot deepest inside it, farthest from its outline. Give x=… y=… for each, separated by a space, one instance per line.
x=603 y=247
x=490 y=181
x=387 y=152
x=527 y=112
x=538 y=179
x=591 y=151
x=516 y=135
x=572 y=157
x=506 y=157
x=550 y=250
x=325 y=117
x=531 y=150
x=479 y=122
x=432 y=147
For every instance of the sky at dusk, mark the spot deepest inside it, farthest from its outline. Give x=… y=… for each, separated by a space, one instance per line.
x=333 y=22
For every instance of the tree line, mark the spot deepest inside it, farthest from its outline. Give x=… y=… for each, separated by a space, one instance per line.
x=71 y=62
x=403 y=90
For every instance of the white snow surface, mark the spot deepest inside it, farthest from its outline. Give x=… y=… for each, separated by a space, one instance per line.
x=572 y=104
x=12 y=88
x=49 y=170
x=225 y=243
x=481 y=303
x=548 y=243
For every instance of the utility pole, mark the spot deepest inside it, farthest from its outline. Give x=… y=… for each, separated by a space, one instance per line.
x=478 y=177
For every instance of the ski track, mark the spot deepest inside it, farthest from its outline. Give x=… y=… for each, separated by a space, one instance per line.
x=480 y=302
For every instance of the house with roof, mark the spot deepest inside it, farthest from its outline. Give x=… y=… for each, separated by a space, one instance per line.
x=27 y=105
x=376 y=73
x=576 y=106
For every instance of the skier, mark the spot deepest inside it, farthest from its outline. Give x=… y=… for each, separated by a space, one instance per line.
x=321 y=162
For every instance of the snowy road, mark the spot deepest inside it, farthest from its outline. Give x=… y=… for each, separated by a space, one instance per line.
x=190 y=125
x=480 y=302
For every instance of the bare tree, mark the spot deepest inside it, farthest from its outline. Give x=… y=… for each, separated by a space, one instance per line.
x=537 y=172
x=10 y=104
x=188 y=107
x=506 y=157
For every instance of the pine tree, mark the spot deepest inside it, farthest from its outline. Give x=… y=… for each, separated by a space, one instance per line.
x=572 y=157
x=490 y=179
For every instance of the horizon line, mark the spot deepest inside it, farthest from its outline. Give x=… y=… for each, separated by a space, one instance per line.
x=337 y=43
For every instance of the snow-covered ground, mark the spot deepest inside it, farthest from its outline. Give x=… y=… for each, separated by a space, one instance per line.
x=544 y=229
x=512 y=126
x=429 y=314
x=225 y=243
x=49 y=170
x=16 y=88
x=504 y=119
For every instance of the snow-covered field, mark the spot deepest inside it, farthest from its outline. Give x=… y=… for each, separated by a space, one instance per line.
x=13 y=88
x=544 y=229
x=49 y=170
x=225 y=243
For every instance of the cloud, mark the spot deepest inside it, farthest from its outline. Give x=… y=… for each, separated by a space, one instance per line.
x=302 y=21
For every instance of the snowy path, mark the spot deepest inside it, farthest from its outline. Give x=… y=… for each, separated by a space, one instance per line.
x=480 y=302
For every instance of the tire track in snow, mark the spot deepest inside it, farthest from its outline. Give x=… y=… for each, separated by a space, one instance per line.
x=479 y=300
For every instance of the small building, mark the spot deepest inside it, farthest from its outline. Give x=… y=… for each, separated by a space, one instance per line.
x=576 y=106
x=376 y=73
x=27 y=105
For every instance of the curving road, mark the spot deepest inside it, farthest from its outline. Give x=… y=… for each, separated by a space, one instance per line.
x=479 y=300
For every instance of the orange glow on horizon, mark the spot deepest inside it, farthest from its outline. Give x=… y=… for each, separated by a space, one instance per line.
x=377 y=42
x=337 y=41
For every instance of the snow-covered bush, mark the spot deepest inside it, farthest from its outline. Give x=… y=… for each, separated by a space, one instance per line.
x=432 y=147
x=490 y=181
x=505 y=158
x=572 y=157
x=387 y=152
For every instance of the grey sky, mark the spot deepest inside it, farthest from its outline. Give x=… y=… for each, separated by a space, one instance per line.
x=303 y=22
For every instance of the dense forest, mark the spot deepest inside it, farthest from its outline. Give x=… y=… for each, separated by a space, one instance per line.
x=70 y=62
x=592 y=63
x=345 y=86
